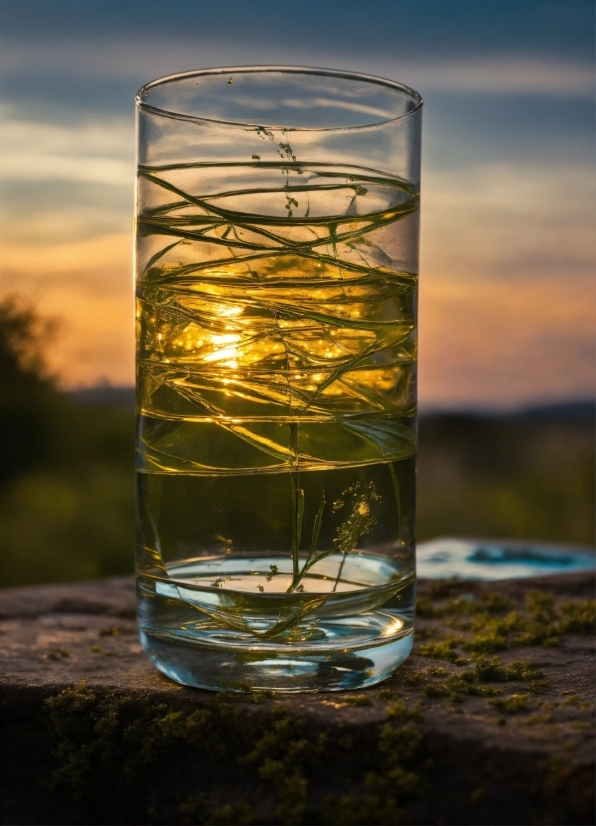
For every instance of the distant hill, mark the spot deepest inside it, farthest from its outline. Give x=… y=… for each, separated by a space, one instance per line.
x=581 y=409
x=578 y=409
x=104 y=395
x=572 y=410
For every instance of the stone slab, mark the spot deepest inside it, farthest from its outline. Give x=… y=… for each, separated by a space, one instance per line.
x=409 y=750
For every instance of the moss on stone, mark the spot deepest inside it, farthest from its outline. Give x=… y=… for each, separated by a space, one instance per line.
x=437 y=681
x=93 y=735
x=477 y=795
x=577 y=617
x=58 y=654
x=510 y=705
x=401 y=780
x=493 y=624
x=387 y=694
x=360 y=700
x=117 y=743
x=196 y=811
x=284 y=755
x=400 y=710
x=444 y=650
x=112 y=631
x=123 y=744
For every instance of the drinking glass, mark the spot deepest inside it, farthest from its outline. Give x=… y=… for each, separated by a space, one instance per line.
x=277 y=261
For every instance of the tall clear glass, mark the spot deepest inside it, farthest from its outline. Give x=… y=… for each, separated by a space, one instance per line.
x=277 y=267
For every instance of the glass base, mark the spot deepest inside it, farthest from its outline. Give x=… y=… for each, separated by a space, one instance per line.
x=351 y=653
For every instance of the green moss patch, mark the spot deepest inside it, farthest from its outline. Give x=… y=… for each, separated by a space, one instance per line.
x=437 y=681
x=122 y=753
x=401 y=780
x=494 y=623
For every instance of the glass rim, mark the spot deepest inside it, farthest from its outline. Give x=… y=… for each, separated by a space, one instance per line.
x=312 y=70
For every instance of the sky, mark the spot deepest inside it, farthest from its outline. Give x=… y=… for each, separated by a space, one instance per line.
x=507 y=293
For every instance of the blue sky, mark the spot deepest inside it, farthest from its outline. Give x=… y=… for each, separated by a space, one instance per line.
x=508 y=183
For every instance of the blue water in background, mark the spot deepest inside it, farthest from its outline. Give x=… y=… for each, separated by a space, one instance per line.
x=445 y=558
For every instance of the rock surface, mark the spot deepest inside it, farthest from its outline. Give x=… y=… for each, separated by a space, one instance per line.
x=458 y=735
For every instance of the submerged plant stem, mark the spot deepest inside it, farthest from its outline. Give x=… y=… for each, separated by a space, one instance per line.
x=276 y=356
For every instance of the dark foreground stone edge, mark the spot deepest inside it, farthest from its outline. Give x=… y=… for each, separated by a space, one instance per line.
x=147 y=751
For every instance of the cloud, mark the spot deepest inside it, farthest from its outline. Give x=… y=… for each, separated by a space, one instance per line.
x=140 y=61
x=508 y=221
x=505 y=76
x=94 y=151
x=37 y=166
x=508 y=297
x=66 y=181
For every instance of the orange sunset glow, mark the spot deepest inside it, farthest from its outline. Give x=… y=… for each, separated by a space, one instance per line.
x=507 y=251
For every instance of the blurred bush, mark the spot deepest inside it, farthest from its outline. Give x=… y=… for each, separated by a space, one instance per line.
x=67 y=479
x=523 y=476
x=66 y=467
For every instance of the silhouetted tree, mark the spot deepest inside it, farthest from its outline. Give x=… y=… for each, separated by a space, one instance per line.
x=27 y=389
